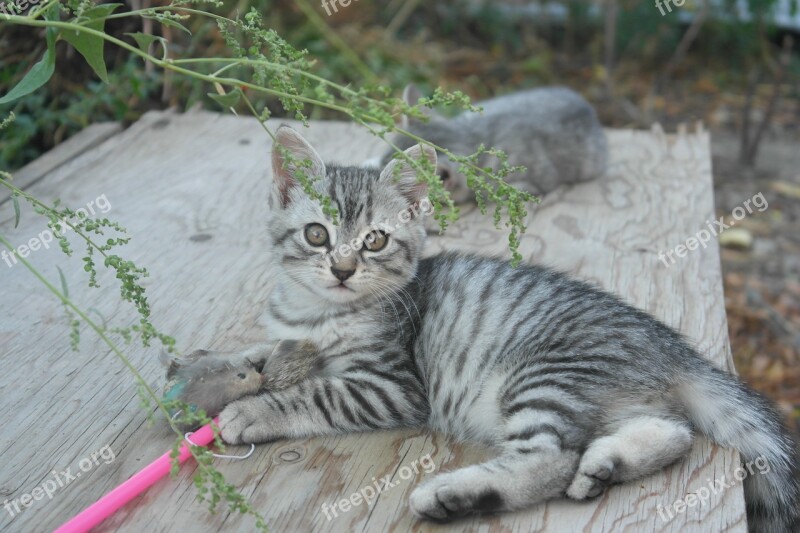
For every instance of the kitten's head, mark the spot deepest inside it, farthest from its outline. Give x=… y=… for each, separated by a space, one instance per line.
x=374 y=248
x=440 y=131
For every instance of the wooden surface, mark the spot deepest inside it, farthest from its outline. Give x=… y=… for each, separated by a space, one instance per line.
x=192 y=190
x=61 y=155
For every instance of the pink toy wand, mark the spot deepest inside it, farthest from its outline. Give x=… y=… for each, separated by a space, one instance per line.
x=140 y=482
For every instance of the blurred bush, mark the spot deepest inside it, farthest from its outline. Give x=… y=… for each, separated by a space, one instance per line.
x=481 y=47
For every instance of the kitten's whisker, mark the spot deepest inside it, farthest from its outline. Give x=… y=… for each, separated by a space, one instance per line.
x=411 y=300
x=387 y=286
x=372 y=291
x=389 y=299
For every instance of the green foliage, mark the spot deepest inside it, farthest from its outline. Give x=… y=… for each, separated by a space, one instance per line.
x=735 y=32
x=645 y=32
x=51 y=114
x=91 y=46
x=498 y=192
x=145 y=40
x=112 y=235
x=227 y=100
x=307 y=181
x=15 y=201
x=39 y=74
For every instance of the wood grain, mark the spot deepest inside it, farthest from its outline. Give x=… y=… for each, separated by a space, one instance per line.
x=192 y=191
x=79 y=143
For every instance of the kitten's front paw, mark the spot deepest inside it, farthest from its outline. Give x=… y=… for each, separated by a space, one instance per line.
x=439 y=500
x=592 y=478
x=241 y=422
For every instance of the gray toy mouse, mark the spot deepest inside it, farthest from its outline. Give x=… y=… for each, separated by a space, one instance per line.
x=210 y=380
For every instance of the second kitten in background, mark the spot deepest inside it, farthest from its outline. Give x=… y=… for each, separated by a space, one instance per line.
x=553 y=132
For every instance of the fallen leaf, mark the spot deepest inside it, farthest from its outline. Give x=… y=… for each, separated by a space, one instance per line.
x=737 y=238
x=785 y=188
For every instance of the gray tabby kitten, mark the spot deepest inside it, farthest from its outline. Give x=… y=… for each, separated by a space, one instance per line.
x=551 y=131
x=572 y=387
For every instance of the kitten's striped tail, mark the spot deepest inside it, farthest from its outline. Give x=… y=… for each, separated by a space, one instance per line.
x=734 y=416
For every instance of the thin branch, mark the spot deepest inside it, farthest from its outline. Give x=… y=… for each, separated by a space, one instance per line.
x=401 y=17
x=750 y=146
x=752 y=85
x=685 y=43
x=783 y=65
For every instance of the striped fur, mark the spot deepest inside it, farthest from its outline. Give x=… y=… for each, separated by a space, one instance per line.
x=572 y=387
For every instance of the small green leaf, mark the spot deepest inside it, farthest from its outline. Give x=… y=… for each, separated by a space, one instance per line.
x=171 y=23
x=38 y=75
x=227 y=100
x=98 y=313
x=64 y=288
x=102 y=10
x=91 y=46
x=15 y=201
x=144 y=40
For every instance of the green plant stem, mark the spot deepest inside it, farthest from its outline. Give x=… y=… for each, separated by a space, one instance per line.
x=222 y=69
x=150 y=10
x=169 y=64
x=41 y=9
x=256 y=62
x=255 y=114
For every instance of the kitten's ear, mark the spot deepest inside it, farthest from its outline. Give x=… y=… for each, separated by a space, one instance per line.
x=402 y=175
x=411 y=96
x=290 y=143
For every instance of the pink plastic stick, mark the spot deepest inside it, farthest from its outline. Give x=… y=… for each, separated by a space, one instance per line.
x=140 y=482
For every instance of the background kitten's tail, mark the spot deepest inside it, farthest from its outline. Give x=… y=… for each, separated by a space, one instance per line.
x=734 y=416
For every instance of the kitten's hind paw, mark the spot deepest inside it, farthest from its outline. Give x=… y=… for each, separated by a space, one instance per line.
x=439 y=501
x=591 y=479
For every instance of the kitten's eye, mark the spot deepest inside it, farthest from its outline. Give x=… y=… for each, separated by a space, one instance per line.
x=241 y=375
x=444 y=174
x=316 y=235
x=376 y=241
